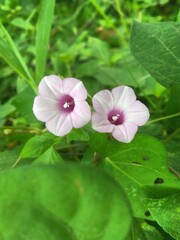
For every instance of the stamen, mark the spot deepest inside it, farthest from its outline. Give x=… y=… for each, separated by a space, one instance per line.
x=116 y=117
x=66 y=104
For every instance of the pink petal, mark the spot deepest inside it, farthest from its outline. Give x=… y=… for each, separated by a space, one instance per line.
x=75 y=89
x=103 y=101
x=125 y=132
x=51 y=87
x=60 y=124
x=44 y=108
x=81 y=114
x=100 y=123
x=137 y=113
x=123 y=97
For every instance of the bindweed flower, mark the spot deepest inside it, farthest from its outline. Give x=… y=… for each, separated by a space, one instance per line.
x=61 y=104
x=118 y=112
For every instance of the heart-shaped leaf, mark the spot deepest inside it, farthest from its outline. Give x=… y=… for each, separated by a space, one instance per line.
x=65 y=201
x=140 y=167
x=156 y=47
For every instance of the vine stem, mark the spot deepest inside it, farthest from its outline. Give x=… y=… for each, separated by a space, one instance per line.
x=23 y=129
x=16 y=162
x=163 y=118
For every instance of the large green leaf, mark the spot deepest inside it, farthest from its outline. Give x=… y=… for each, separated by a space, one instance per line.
x=140 y=167
x=42 y=35
x=156 y=47
x=166 y=212
x=63 y=201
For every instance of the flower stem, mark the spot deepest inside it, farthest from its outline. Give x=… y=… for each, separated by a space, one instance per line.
x=172 y=135
x=89 y=96
x=163 y=118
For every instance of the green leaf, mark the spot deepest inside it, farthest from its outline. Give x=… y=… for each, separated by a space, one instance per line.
x=50 y=156
x=88 y=68
x=156 y=47
x=24 y=103
x=21 y=23
x=166 y=212
x=100 y=50
x=37 y=222
x=173 y=107
x=112 y=76
x=8 y=158
x=42 y=35
x=63 y=198
x=37 y=145
x=173 y=147
x=140 y=167
x=68 y=53
x=10 y=58
x=10 y=53
x=6 y=109
x=77 y=135
x=141 y=230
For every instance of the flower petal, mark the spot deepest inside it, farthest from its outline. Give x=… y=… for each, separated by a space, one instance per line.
x=137 y=113
x=74 y=88
x=103 y=101
x=125 y=132
x=51 y=87
x=60 y=124
x=44 y=108
x=100 y=123
x=81 y=114
x=123 y=97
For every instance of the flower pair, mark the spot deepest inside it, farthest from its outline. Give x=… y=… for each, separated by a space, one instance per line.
x=62 y=105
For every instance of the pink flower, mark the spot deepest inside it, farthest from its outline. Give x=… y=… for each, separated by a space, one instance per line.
x=61 y=104
x=118 y=112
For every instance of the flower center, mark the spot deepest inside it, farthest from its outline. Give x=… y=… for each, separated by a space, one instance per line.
x=66 y=104
x=116 y=117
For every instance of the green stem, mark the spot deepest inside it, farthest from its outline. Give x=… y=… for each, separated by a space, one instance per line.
x=16 y=162
x=107 y=19
x=89 y=96
x=122 y=17
x=172 y=135
x=22 y=128
x=68 y=69
x=163 y=118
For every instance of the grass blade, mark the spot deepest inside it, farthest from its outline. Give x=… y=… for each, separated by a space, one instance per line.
x=42 y=35
x=10 y=53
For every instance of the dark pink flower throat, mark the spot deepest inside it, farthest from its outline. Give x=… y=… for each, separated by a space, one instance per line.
x=66 y=104
x=116 y=117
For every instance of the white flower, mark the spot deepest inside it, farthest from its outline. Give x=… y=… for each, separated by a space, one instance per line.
x=61 y=104
x=118 y=112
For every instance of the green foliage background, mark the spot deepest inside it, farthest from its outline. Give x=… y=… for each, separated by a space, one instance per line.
x=104 y=43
